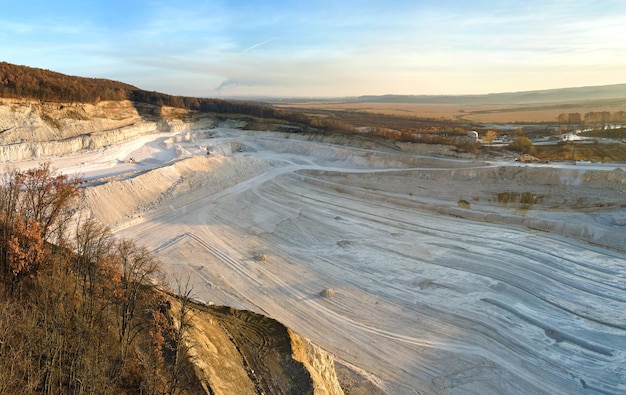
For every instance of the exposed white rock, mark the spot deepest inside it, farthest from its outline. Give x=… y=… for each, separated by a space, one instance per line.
x=31 y=129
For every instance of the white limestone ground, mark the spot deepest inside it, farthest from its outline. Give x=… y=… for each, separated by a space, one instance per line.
x=443 y=282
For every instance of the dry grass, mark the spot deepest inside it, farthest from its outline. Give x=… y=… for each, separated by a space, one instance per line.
x=591 y=152
x=487 y=113
x=435 y=111
x=532 y=114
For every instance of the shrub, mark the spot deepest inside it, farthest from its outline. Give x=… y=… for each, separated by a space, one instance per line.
x=522 y=145
x=463 y=203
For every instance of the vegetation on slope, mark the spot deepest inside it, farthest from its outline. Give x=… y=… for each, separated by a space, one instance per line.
x=27 y=82
x=76 y=312
x=582 y=152
x=619 y=133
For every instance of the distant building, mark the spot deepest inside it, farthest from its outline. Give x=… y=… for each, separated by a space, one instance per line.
x=472 y=136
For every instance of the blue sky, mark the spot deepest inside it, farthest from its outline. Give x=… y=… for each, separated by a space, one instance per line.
x=323 y=47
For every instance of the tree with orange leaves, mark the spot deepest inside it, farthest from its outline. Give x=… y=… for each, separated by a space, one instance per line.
x=35 y=208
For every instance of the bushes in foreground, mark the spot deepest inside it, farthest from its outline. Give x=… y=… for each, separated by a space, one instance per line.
x=76 y=313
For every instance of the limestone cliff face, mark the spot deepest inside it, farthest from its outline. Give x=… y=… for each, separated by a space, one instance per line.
x=240 y=352
x=320 y=365
x=31 y=129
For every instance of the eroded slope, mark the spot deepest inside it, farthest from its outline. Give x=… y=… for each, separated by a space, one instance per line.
x=33 y=129
x=241 y=352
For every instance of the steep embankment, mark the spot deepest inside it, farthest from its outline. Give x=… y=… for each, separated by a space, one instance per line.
x=240 y=352
x=117 y=201
x=583 y=203
x=33 y=129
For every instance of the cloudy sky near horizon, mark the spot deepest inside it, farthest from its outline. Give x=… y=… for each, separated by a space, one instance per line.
x=221 y=48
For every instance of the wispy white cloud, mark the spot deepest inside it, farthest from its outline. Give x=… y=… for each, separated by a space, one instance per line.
x=331 y=48
x=257 y=45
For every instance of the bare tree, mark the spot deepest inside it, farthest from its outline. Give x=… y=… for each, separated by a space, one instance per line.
x=34 y=205
x=47 y=198
x=94 y=274
x=182 y=322
x=137 y=266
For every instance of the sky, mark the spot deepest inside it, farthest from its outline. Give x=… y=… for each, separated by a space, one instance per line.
x=322 y=48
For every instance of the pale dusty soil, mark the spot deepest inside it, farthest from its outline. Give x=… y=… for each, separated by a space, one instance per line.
x=430 y=297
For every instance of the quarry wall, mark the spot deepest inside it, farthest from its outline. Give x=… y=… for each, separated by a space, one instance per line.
x=31 y=129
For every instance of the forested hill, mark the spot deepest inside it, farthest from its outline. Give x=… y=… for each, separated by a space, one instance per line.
x=33 y=83
x=23 y=82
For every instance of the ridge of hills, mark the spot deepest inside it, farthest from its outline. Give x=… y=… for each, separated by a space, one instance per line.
x=575 y=94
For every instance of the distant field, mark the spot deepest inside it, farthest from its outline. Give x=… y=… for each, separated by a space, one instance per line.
x=402 y=109
x=484 y=113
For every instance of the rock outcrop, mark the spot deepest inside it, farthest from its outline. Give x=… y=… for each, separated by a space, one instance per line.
x=240 y=352
x=31 y=129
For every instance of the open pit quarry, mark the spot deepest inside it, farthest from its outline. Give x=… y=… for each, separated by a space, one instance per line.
x=418 y=270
